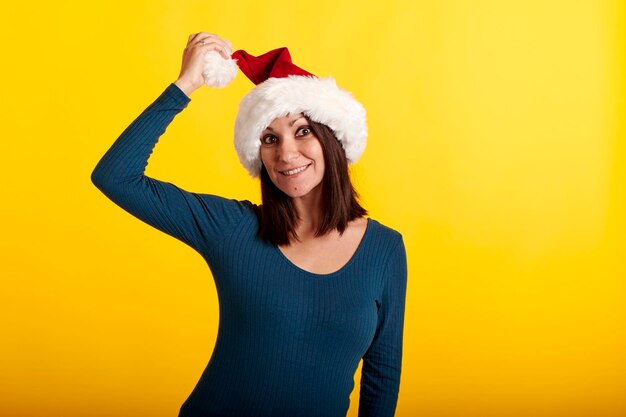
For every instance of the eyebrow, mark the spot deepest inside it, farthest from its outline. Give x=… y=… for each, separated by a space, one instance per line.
x=290 y=123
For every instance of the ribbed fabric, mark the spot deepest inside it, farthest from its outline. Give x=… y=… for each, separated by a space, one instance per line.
x=289 y=341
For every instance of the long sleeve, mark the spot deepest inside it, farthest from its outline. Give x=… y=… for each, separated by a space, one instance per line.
x=380 y=377
x=199 y=220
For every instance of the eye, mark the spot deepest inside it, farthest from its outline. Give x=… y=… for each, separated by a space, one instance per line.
x=304 y=131
x=268 y=139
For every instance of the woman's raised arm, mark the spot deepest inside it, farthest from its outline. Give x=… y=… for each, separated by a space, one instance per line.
x=199 y=220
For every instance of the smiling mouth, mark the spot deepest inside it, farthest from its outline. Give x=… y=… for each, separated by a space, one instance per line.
x=294 y=171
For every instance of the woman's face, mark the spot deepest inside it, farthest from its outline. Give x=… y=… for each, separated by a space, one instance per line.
x=292 y=155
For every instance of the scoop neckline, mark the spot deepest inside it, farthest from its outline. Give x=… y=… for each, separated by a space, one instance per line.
x=356 y=253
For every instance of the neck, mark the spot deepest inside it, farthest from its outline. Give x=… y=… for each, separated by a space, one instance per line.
x=309 y=211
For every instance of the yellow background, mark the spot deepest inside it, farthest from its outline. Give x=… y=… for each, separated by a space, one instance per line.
x=496 y=147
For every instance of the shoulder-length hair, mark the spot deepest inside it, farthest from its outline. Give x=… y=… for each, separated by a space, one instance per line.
x=277 y=214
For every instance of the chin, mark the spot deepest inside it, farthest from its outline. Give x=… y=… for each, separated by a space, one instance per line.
x=296 y=193
x=300 y=191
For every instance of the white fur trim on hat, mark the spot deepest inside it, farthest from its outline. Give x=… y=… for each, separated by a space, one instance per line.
x=218 y=72
x=318 y=98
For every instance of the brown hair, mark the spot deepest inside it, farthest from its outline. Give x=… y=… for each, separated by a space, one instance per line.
x=277 y=215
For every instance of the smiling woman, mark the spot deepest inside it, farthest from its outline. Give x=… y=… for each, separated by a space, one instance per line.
x=308 y=286
x=292 y=155
x=304 y=164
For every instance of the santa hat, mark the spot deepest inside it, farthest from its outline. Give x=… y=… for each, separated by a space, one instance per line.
x=283 y=88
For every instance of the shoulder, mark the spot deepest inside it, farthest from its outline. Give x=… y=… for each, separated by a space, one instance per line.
x=220 y=208
x=388 y=245
x=383 y=243
x=212 y=199
x=385 y=233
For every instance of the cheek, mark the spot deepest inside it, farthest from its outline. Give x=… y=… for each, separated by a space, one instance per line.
x=314 y=150
x=265 y=157
x=319 y=156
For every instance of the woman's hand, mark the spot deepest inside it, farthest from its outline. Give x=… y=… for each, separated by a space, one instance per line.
x=190 y=77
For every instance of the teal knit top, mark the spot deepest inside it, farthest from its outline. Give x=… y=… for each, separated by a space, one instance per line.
x=289 y=341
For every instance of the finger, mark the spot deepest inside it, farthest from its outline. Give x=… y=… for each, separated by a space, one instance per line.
x=195 y=37
x=211 y=41
x=230 y=47
x=213 y=36
x=217 y=47
x=202 y=35
x=216 y=39
x=204 y=42
x=192 y=37
x=225 y=52
x=222 y=51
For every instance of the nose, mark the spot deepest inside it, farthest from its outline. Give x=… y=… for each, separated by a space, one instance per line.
x=288 y=149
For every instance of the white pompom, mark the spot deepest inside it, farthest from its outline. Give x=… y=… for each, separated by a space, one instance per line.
x=218 y=72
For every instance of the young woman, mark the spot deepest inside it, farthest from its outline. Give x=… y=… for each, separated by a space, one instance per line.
x=307 y=285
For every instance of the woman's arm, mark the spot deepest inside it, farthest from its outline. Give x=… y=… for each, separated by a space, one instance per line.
x=196 y=219
x=380 y=376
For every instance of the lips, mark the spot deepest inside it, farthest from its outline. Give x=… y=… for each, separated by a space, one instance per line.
x=294 y=171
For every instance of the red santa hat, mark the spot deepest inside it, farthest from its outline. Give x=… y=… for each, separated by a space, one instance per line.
x=283 y=88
